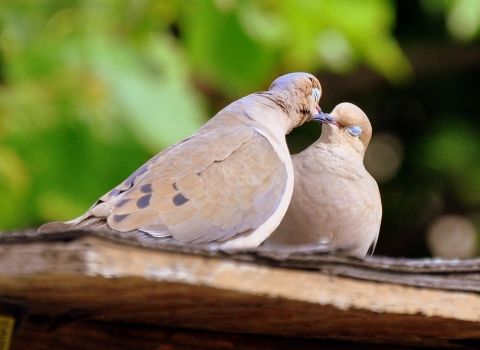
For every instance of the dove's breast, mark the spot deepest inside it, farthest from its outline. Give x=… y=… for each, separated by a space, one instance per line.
x=335 y=201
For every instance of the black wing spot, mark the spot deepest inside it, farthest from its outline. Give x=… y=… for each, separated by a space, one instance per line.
x=122 y=203
x=179 y=200
x=147 y=188
x=144 y=201
x=118 y=218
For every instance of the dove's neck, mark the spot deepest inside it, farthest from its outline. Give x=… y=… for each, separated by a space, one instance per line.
x=326 y=159
x=334 y=137
x=337 y=150
x=276 y=109
x=260 y=112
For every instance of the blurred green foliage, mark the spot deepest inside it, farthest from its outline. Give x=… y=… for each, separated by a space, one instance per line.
x=89 y=90
x=462 y=16
x=92 y=88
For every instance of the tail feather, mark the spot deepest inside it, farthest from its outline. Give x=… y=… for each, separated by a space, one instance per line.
x=56 y=226
x=85 y=222
x=89 y=223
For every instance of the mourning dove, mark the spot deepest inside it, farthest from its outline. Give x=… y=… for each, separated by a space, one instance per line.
x=228 y=184
x=335 y=200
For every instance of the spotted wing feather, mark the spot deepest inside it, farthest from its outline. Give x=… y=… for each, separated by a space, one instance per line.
x=205 y=189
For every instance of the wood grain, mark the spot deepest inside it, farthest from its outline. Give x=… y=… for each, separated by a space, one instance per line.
x=89 y=292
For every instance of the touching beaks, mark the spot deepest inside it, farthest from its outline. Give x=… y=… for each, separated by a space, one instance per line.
x=325 y=118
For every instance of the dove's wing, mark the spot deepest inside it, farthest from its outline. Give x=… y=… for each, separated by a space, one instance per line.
x=206 y=189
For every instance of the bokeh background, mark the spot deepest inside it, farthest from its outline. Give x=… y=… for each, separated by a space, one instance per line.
x=91 y=89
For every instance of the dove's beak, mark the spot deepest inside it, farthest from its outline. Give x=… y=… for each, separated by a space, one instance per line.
x=325 y=118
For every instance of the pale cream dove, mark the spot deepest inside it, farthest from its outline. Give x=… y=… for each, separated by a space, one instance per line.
x=335 y=200
x=228 y=184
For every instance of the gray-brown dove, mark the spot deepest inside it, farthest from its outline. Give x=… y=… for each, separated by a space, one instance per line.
x=335 y=200
x=229 y=183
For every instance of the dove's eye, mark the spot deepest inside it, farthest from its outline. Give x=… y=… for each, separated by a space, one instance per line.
x=316 y=94
x=354 y=130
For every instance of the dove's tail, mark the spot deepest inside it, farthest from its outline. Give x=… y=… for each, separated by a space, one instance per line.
x=56 y=226
x=85 y=221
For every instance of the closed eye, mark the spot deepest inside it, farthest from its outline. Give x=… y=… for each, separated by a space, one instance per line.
x=316 y=94
x=354 y=130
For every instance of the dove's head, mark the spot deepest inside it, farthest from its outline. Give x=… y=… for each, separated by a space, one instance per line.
x=346 y=124
x=297 y=94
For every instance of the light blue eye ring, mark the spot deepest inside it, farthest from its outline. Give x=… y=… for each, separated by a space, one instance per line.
x=354 y=130
x=316 y=94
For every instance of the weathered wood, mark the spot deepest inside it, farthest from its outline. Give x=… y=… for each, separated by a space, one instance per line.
x=460 y=275
x=87 y=292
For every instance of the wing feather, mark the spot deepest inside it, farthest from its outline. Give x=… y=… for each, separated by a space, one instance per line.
x=208 y=188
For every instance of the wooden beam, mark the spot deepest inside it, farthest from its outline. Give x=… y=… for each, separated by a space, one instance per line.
x=92 y=288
